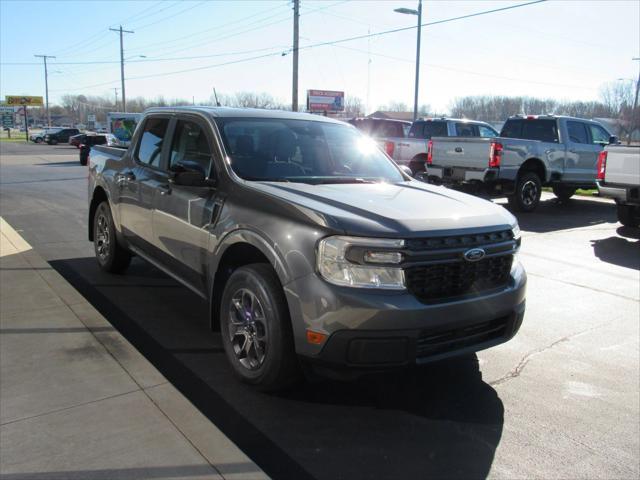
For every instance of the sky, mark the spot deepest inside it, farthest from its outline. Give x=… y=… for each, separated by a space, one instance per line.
x=556 y=49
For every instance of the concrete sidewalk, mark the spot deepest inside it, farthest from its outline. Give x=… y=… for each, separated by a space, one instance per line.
x=77 y=401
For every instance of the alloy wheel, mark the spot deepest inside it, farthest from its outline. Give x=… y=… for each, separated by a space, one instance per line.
x=247 y=329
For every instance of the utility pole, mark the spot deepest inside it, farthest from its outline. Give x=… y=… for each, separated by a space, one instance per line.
x=46 y=86
x=124 y=104
x=415 y=98
x=296 y=35
x=635 y=101
x=115 y=91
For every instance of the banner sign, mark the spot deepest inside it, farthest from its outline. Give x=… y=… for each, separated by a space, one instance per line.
x=325 y=101
x=29 y=101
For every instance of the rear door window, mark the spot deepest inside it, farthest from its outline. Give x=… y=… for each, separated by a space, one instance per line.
x=486 y=132
x=532 y=129
x=577 y=132
x=466 y=130
x=429 y=129
x=151 y=140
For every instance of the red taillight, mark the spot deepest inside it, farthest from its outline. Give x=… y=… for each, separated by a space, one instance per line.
x=495 y=154
x=389 y=147
x=430 y=152
x=602 y=165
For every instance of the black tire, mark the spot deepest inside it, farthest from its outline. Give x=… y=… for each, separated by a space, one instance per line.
x=83 y=161
x=527 y=195
x=629 y=215
x=111 y=256
x=563 y=193
x=38 y=140
x=262 y=324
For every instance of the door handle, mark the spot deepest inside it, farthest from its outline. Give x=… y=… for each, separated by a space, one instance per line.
x=164 y=189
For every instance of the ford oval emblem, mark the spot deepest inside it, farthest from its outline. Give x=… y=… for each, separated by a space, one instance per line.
x=474 y=255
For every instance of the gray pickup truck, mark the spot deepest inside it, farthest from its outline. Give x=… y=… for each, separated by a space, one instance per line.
x=618 y=177
x=531 y=152
x=307 y=241
x=412 y=151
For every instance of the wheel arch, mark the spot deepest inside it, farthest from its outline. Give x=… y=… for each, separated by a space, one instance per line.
x=536 y=166
x=99 y=196
x=237 y=249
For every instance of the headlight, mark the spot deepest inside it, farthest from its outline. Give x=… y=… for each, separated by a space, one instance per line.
x=361 y=262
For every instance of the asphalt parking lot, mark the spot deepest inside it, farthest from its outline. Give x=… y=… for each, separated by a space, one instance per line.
x=561 y=400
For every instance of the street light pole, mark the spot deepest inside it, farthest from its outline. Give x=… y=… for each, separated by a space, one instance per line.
x=115 y=91
x=418 y=13
x=635 y=101
x=296 y=33
x=124 y=105
x=46 y=86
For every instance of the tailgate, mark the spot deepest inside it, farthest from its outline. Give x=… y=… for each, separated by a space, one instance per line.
x=623 y=166
x=468 y=153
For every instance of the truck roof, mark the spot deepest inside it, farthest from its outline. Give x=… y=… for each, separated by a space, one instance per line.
x=449 y=119
x=550 y=117
x=229 y=112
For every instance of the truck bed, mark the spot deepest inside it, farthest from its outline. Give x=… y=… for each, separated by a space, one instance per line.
x=623 y=165
x=115 y=152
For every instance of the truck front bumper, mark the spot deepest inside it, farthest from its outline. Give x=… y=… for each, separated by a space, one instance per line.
x=372 y=330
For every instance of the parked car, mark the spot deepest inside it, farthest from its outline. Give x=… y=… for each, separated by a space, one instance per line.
x=77 y=140
x=381 y=127
x=90 y=141
x=39 y=136
x=618 y=177
x=60 y=136
x=307 y=240
x=412 y=151
x=531 y=152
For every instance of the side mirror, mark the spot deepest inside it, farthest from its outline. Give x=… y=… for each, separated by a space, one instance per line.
x=406 y=170
x=190 y=178
x=613 y=140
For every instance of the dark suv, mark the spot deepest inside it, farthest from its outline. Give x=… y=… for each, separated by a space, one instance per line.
x=60 y=136
x=307 y=241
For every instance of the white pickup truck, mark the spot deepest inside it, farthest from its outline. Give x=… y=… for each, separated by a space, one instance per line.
x=412 y=150
x=618 y=177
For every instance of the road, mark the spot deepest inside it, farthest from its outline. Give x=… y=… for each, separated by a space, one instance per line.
x=561 y=400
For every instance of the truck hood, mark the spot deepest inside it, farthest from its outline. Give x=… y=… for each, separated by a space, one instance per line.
x=406 y=209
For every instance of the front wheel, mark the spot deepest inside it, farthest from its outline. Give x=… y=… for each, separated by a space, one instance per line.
x=256 y=329
x=629 y=215
x=38 y=140
x=563 y=193
x=527 y=195
x=111 y=256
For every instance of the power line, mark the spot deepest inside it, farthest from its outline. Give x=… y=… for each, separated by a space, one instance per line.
x=332 y=42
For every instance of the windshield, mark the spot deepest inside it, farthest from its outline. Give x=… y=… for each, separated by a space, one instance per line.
x=303 y=151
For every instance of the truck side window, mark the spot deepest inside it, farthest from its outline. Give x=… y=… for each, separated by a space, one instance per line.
x=150 y=147
x=577 y=132
x=543 y=130
x=486 y=132
x=465 y=130
x=434 y=129
x=190 y=148
x=512 y=129
x=599 y=135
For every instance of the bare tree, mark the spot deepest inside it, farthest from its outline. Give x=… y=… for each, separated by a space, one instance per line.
x=353 y=106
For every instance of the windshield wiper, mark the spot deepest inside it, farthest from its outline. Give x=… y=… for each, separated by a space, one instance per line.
x=266 y=179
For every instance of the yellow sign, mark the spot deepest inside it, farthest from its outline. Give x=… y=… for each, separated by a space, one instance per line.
x=23 y=100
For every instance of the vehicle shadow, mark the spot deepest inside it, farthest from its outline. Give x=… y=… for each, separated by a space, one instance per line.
x=620 y=250
x=438 y=421
x=552 y=215
x=71 y=163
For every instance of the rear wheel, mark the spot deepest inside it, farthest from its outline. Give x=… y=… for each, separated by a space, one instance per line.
x=629 y=215
x=527 y=195
x=111 y=256
x=563 y=193
x=256 y=329
x=39 y=140
x=417 y=166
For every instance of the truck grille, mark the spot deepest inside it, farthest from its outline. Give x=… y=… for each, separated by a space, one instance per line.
x=437 y=271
